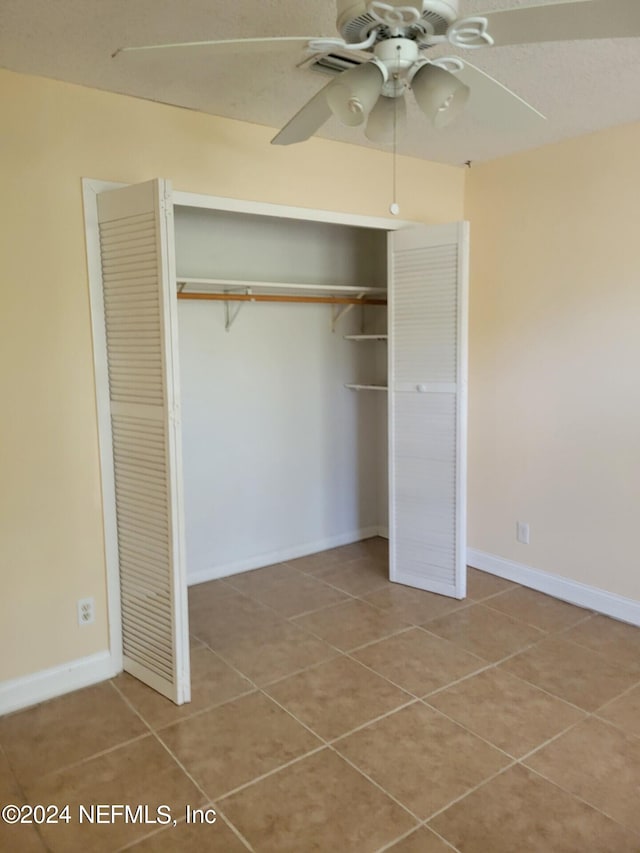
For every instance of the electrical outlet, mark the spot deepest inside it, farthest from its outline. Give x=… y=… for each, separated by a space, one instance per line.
x=86 y=611
x=522 y=532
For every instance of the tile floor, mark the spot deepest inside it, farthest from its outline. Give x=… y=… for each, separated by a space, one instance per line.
x=334 y=711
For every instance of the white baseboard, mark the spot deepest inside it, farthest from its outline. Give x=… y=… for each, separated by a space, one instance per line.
x=591 y=597
x=48 y=683
x=257 y=562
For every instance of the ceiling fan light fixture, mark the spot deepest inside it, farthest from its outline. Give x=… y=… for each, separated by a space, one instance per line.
x=387 y=111
x=354 y=93
x=439 y=93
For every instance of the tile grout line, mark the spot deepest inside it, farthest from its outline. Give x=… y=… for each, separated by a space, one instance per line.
x=93 y=755
x=423 y=825
x=596 y=716
x=254 y=597
x=208 y=799
x=100 y=754
x=555 y=631
x=180 y=765
x=424 y=626
x=201 y=711
x=227 y=661
x=167 y=829
x=561 y=698
x=394 y=633
x=469 y=792
x=353 y=596
x=335 y=563
x=523 y=758
x=470 y=731
x=582 y=800
x=603 y=656
x=549 y=741
x=379 y=718
x=358 y=596
x=492 y=594
x=548 y=693
x=377 y=785
x=292 y=620
x=369 y=643
x=511 y=675
x=379 y=675
x=548 y=632
x=315 y=577
x=292 y=674
x=460 y=680
x=331 y=741
x=489 y=664
x=23 y=795
x=239 y=788
x=596 y=712
x=196 y=713
x=398 y=839
x=442 y=838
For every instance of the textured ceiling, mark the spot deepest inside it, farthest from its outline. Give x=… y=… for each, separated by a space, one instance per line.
x=579 y=86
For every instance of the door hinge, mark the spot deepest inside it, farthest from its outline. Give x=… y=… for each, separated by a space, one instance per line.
x=166 y=204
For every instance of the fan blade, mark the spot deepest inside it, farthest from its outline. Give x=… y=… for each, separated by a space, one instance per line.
x=306 y=121
x=575 y=20
x=495 y=105
x=234 y=46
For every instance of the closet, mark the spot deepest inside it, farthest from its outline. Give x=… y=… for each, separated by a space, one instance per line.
x=299 y=460
x=280 y=381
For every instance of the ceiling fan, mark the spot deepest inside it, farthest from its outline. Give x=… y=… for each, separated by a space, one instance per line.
x=389 y=43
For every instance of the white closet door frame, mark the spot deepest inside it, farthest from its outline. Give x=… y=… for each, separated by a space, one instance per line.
x=90 y=191
x=91 y=188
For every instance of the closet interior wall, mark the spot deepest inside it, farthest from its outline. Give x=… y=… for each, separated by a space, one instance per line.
x=280 y=459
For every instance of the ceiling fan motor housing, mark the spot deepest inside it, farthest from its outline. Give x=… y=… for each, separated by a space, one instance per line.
x=356 y=18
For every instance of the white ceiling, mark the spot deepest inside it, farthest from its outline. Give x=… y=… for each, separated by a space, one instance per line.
x=579 y=86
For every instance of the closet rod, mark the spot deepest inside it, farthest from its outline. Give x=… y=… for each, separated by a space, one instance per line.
x=272 y=297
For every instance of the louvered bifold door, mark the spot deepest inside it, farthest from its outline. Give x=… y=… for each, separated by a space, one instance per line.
x=428 y=274
x=136 y=245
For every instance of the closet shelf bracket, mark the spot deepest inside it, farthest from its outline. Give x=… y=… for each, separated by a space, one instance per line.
x=231 y=314
x=338 y=313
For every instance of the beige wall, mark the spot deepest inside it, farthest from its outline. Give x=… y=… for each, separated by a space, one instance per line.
x=554 y=358
x=52 y=135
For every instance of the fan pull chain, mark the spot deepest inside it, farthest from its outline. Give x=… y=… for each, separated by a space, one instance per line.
x=394 y=207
